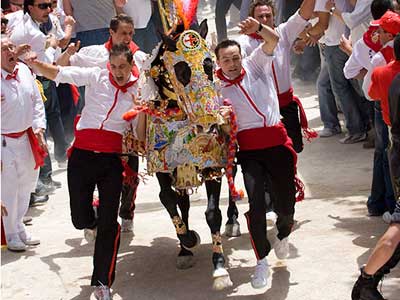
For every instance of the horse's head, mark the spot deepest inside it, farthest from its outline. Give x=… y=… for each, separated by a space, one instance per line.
x=189 y=65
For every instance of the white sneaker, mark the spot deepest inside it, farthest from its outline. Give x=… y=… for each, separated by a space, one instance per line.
x=271 y=218
x=90 y=234
x=102 y=292
x=14 y=243
x=127 y=225
x=261 y=274
x=28 y=239
x=281 y=248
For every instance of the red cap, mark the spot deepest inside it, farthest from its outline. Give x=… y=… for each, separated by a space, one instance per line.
x=390 y=22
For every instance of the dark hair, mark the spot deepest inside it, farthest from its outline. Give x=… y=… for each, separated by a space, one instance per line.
x=5 y=5
x=122 y=49
x=256 y=3
x=396 y=46
x=122 y=18
x=379 y=7
x=26 y=3
x=225 y=44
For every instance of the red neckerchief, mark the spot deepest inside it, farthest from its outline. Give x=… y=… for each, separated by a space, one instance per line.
x=255 y=36
x=388 y=53
x=133 y=47
x=230 y=82
x=371 y=39
x=124 y=88
x=13 y=75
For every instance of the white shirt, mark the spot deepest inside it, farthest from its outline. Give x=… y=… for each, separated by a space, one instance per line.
x=336 y=27
x=21 y=105
x=377 y=60
x=261 y=107
x=139 y=11
x=104 y=104
x=359 y=59
x=358 y=20
x=27 y=32
x=98 y=56
x=288 y=33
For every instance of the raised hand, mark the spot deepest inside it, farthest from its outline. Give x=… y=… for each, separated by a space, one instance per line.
x=248 y=26
x=73 y=48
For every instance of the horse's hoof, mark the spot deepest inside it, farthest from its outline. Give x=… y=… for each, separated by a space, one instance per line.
x=190 y=240
x=232 y=230
x=221 y=279
x=185 y=262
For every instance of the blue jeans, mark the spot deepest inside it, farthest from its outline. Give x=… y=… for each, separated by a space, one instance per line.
x=350 y=101
x=147 y=38
x=382 y=195
x=93 y=37
x=326 y=98
x=221 y=9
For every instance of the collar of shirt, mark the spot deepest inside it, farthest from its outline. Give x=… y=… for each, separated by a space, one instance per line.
x=221 y=75
x=124 y=88
x=5 y=74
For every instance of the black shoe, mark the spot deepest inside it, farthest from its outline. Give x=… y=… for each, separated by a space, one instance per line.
x=366 y=287
x=37 y=199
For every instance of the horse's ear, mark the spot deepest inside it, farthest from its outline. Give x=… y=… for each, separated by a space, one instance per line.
x=203 y=29
x=170 y=43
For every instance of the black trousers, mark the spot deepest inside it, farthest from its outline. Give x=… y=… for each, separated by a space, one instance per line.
x=277 y=163
x=129 y=188
x=86 y=169
x=291 y=120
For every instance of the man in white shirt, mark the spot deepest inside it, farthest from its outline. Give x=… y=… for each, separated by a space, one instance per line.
x=121 y=31
x=263 y=142
x=95 y=155
x=43 y=35
x=22 y=126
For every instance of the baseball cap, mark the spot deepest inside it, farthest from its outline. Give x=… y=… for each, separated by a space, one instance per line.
x=390 y=22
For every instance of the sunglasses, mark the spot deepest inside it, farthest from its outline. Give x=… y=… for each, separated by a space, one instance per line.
x=4 y=21
x=43 y=5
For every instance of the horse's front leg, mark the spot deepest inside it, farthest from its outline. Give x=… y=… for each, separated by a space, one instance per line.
x=214 y=219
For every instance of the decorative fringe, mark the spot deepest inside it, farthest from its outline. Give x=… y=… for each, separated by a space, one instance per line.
x=309 y=134
x=299 y=189
x=132 y=113
x=236 y=194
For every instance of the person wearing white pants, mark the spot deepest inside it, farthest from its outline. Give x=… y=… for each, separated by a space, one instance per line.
x=22 y=151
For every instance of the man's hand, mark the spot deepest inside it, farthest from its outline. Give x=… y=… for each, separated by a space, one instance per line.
x=73 y=48
x=298 y=46
x=225 y=112
x=22 y=49
x=39 y=132
x=52 y=41
x=345 y=45
x=249 y=26
x=69 y=21
x=30 y=59
x=312 y=40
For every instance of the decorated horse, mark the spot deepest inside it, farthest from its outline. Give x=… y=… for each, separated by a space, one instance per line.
x=185 y=143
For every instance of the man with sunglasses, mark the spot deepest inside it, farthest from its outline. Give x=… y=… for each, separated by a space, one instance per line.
x=38 y=28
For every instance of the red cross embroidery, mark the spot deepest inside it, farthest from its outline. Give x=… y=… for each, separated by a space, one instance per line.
x=191 y=39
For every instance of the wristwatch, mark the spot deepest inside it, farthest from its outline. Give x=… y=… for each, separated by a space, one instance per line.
x=332 y=10
x=260 y=27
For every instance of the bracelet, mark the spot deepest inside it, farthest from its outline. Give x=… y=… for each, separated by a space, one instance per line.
x=332 y=10
x=260 y=27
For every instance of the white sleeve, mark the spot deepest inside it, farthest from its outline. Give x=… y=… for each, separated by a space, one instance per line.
x=289 y=31
x=86 y=57
x=245 y=46
x=39 y=116
x=377 y=60
x=360 y=14
x=259 y=64
x=139 y=58
x=77 y=76
x=320 y=6
x=57 y=29
x=353 y=66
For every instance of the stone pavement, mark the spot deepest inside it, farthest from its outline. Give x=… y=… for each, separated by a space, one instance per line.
x=333 y=236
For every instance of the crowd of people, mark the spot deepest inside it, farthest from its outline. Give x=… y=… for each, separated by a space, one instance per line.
x=70 y=70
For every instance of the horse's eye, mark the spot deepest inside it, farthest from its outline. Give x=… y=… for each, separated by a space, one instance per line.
x=208 y=67
x=183 y=72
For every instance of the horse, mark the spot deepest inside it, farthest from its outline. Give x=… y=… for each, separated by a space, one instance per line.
x=185 y=140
